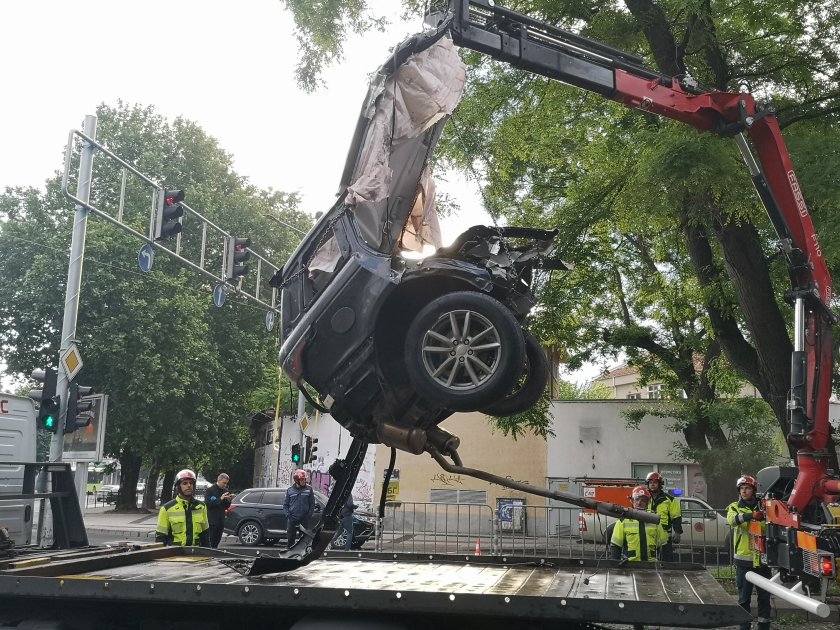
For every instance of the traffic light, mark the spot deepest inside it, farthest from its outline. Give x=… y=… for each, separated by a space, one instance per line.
x=296 y=453
x=79 y=409
x=313 y=448
x=168 y=218
x=236 y=253
x=49 y=402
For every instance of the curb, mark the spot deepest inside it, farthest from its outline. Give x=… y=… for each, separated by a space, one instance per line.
x=128 y=533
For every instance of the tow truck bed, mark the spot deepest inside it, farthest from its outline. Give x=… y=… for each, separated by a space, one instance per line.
x=165 y=583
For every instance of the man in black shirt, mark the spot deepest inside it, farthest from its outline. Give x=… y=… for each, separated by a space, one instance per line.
x=217 y=499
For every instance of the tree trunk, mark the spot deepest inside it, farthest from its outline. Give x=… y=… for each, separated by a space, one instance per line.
x=150 y=494
x=129 y=475
x=168 y=484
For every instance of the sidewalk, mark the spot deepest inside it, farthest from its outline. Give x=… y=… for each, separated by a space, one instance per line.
x=104 y=520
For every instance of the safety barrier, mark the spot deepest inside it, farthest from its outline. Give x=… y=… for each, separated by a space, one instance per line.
x=531 y=530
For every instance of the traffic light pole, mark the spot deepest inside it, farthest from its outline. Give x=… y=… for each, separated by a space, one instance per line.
x=74 y=281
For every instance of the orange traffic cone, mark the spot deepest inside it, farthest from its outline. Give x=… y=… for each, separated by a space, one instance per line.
x=478 y=546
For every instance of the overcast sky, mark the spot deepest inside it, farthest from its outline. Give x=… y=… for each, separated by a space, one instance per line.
x=227 y=66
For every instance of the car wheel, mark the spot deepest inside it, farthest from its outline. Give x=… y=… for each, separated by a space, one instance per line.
x=250 y=533
x=530 y=386
x=464 y=350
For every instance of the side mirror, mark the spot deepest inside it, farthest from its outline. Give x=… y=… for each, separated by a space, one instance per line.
x=711 y=514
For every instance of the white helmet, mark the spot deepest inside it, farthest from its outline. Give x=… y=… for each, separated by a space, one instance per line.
x=184 y=474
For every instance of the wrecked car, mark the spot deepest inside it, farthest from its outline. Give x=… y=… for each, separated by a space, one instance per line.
x=385 y=337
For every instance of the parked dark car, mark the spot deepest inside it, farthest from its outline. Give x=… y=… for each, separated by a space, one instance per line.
x=387 y=339
x=256 y=517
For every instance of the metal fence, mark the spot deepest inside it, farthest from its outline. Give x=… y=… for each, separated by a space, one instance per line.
x=530 y=530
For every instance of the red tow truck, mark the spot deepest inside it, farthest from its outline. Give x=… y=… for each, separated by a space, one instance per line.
x=802 y=502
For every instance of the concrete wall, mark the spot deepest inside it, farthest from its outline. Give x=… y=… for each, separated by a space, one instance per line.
x=521 y=460
x=591 y=439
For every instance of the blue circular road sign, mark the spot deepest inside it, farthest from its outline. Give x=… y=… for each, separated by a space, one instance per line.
x=146 y=257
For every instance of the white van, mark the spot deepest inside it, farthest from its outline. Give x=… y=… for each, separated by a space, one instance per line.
x=17 y=444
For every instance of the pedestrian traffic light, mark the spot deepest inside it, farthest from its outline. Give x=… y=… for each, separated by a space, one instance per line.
x=296 y=453
x=49 y=402
x=168 y=218
x=79 y=408
x=236 y=253
x=313 y=450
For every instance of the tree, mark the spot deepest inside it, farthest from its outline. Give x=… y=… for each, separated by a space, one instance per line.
x=675 y=258
x=179 y=372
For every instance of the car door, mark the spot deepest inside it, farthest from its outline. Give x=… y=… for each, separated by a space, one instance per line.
x=274 y=521
x=702 y=525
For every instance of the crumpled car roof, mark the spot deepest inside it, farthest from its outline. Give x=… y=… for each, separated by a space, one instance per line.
x=386 y=177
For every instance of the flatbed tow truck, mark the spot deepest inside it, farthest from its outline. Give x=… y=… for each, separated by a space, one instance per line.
x=145 y=585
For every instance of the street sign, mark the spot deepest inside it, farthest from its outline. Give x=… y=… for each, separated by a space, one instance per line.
x=72 y=361
x=85 y=444
x=269 y=321
x=219 y=295
x=146 y=258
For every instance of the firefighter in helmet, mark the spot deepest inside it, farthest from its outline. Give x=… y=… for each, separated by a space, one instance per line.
x=183 y=520
x=739 y=514
x=634 y=540
x=670 y=514
x=298 y=506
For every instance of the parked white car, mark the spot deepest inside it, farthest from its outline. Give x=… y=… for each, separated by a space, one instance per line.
x=703 y=526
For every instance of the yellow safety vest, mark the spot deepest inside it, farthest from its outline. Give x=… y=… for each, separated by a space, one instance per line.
x=626 y=535
x=744 y=553
x=181 y=522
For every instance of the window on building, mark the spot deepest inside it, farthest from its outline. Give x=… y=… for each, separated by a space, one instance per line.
x=451 y=495
x=634 y=396
x=655 y=391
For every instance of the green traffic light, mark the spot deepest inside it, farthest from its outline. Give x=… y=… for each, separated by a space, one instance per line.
x=295 y=458
x=49 y=423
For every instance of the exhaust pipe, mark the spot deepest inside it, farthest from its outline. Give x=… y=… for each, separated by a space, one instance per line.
x=793 y=595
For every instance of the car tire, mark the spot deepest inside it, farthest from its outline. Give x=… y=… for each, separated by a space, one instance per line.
x=250 y=533
x=530 y=385
x=445 y=369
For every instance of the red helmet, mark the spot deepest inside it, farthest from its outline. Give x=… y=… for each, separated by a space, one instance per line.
x=747 y=480
x=184 y=474
x=299 y=474
x=640 y=491
x=655 y=476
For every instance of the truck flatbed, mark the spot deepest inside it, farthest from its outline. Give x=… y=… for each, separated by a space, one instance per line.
x=405 y=591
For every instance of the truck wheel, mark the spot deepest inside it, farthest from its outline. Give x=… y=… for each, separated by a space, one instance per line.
x=464 y=350
x=529 y=387
x=250 y=534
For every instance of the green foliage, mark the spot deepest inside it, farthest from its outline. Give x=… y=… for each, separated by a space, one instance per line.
x=180 y=373
x=536 y=420
x=595 y=390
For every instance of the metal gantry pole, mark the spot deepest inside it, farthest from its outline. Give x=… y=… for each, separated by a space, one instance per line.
x=74 y=279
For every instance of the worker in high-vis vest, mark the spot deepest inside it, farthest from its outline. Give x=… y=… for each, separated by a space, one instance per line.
x=636 y=541
x=183 y=520
x=670 y=514
x=739 y=514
